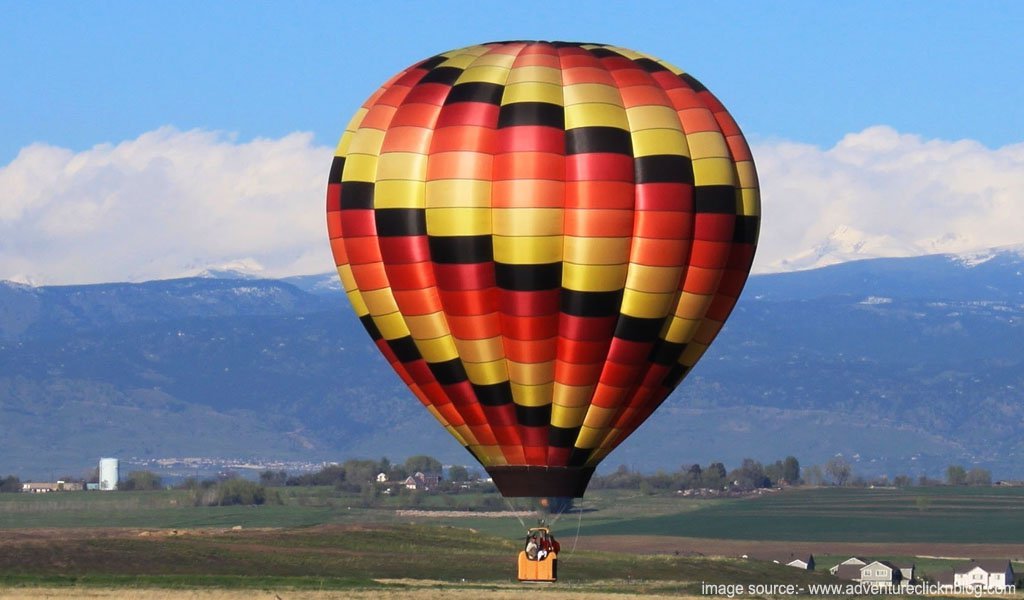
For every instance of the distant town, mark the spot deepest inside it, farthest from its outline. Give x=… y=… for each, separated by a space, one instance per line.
x=714 y=479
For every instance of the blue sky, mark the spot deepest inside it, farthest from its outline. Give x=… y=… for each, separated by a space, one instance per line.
x=154 y=139
x=78 y=74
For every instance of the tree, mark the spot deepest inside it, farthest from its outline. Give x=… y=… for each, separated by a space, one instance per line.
x=458 y=473
x=791 y=470
x=750 y=475
x=332 y=475
x=691 y=477
x=358 y=472
x=774 y=472
x=231 y=492
x=428 y=465
x=979 y=476
x=622 y=479
x=839 y=470
x=714 y=477
x=955 y=475
x=140 y=480
x=10 y=484
x=813 y=475
x=902 y=481
x=273 y=478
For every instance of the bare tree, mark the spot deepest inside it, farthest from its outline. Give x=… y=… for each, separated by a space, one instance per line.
x=839 y=469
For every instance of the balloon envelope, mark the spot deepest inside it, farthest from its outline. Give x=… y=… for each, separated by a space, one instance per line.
x=542 y=238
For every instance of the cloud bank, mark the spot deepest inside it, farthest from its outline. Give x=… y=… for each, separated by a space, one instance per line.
x=173 y=203
x=166 y=204
x=884 y=193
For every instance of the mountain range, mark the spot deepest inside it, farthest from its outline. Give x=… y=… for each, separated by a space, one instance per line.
x=902 y=365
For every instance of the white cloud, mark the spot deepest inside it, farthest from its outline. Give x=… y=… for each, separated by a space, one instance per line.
x=165 y=204
x=171 y=203
x=883 y=193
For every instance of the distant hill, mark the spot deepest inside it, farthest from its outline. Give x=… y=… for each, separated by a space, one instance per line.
x=902 y=365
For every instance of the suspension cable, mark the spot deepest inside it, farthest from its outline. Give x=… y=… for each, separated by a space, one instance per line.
x=515 y=512
x=579 y=524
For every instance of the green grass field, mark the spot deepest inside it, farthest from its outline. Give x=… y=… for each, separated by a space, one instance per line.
x=956 y=515
x=321 y=538
x=340 y=557
x=937 y=514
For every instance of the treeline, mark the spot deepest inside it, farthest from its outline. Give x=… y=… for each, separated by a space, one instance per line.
x=838 y=471
x=355 y=475
x=360 y=476
x=749 y=475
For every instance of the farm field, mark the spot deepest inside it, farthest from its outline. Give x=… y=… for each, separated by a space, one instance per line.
x=338 y=558
x=916 y=515
x=319 y=541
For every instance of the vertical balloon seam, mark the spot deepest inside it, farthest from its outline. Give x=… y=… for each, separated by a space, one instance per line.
x=498 y=453
x=563 y=426
x=709 y=326
x=694 y=351
x=684 y=362
x=590 y=145
x=397 y=216
x=603 y=402
x=634 y=293
x=402 y=344
x=353 y=293
x=444 y=370
x=641 y=165
x=635 y=398
x=519 y=281
x=626 y=423
x=740 y=235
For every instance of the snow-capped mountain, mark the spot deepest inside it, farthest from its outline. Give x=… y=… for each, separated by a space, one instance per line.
x=891 y=359
x=846 y=244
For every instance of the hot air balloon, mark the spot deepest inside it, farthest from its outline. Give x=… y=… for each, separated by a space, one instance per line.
x=542 y=238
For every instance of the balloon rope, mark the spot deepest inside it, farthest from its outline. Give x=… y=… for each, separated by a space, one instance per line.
x=515 y=512
x=565 y=506
x=579 y=524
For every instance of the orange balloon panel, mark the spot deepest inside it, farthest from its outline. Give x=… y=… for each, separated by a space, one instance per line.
x=542 y=238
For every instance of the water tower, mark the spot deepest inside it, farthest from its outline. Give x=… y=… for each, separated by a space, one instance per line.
x=108 y=474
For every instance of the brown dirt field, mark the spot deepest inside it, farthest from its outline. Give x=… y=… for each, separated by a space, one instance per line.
x=46 y=535
x=655 y=544
x=428 y=592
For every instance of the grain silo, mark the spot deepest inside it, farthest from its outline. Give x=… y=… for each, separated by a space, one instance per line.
x=108 y=474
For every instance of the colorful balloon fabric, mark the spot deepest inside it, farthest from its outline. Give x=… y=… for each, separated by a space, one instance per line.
x=542 y=238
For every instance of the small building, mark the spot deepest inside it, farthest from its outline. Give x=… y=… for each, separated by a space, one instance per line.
x=876 y=573
x=994 y=574
x=109 y=472
x=57 y=486
x=419 y=481
x=799 y=561
x=382 y=477
x=38 y=488
x=855 y=561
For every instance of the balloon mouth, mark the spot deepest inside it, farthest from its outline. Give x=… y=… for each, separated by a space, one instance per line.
x=531 y=481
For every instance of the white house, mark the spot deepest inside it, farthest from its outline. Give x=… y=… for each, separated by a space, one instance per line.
x=799 y=561
x=855 y=561
x=877 y=573
x=382 y=477
x=984 y=574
